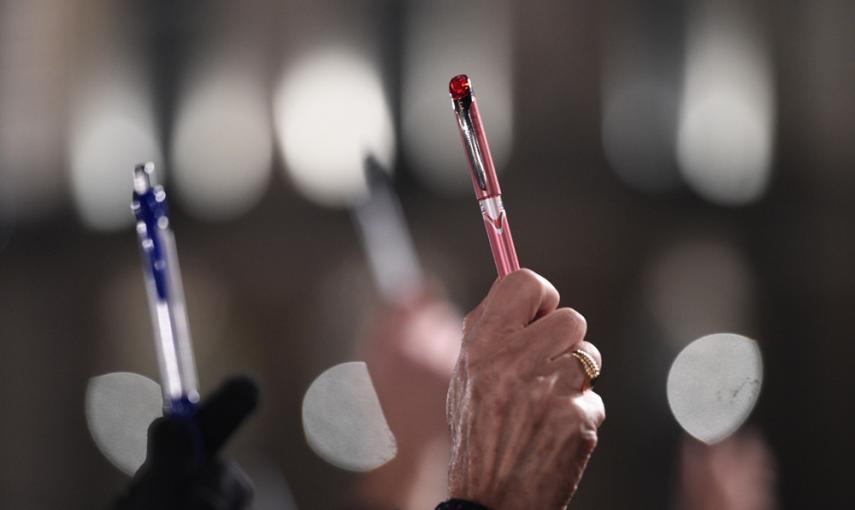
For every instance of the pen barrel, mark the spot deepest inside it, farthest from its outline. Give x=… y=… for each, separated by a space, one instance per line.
x=483 y=173
x=388 y=246
x=169 y=319
x=499 y=235
x=165 y=294
x=183 y=344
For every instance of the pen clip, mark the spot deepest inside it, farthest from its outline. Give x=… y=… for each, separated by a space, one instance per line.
x=470 y=140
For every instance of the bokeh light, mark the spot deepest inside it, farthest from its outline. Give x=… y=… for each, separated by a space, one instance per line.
x=222 y=146
x=713 y=385
x=343 y=420
x=697 y=285
x=726 y=121
x=330 y=114
x=120 y=406
x=112 y=130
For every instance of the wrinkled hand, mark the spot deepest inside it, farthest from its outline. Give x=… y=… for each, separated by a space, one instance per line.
x=522 y=429
x=183 y=469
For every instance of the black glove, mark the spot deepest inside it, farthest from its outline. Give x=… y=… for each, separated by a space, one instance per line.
x=183 y=469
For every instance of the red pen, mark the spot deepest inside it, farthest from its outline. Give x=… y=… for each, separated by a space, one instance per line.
x=483 y=172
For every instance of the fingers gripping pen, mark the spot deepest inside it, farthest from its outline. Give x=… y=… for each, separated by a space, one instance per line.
x=483 y=172
x=165 y=294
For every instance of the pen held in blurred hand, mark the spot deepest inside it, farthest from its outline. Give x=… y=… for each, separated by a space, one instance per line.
x=484 y=179
x=165 y=294
x=385 y=237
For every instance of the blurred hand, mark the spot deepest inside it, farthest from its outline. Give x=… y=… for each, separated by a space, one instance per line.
x=736 y=474
x=183 y=469
x=410 y=352
x=522 y=430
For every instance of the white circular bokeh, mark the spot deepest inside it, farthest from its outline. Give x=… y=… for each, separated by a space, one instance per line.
x=343 y=421
x=714 y=384
x=112 y=130
x=331 y=113
x=222 y=145
x=120 y=406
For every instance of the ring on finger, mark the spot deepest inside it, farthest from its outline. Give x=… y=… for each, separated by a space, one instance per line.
x=589 y=365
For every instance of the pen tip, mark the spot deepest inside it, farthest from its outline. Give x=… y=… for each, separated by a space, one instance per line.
x=460 y=87
x=374 y=172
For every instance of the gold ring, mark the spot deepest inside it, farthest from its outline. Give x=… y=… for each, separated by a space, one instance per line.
x=592 y=370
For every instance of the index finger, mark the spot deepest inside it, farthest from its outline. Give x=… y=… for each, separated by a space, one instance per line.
x=518 y=299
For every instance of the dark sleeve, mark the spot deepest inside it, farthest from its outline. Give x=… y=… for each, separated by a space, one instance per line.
x=460 y=504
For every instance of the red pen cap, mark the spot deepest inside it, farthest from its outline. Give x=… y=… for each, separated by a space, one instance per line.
x=459 y=86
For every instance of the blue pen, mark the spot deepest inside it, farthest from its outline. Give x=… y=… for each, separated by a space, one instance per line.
x=165 y=295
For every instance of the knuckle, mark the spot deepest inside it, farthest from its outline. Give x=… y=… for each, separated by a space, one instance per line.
x=598 y=409
x=527 y=281
x=588 y=440
x=580 y=429
x=576 y=321
x=588 y=410
x=596 y=354
x=577 y=411
x=568 y=320
x=525 y=274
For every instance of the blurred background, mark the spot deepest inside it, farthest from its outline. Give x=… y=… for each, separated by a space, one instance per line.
x=675 y=168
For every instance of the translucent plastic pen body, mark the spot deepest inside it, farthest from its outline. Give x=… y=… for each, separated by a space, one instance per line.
x=483 y=174
x=386 y=238
x=165 y=294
